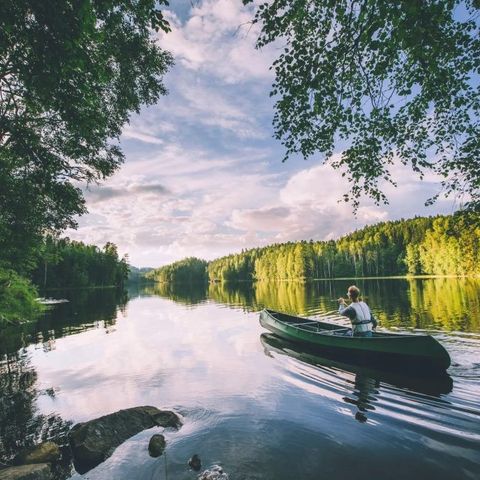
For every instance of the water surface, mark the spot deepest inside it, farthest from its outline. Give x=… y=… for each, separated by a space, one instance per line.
x=260 y=407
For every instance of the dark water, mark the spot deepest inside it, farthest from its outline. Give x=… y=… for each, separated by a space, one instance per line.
x=259 y=407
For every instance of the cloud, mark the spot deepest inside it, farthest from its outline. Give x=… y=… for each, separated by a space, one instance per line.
x=222 y=204
x=202 y=174
x=148 y=128
x=180 y=207
x=262 y=219
x=143 y=137
x=219 y=39
x=102 y=193
x=215 y=108
x=310 y=205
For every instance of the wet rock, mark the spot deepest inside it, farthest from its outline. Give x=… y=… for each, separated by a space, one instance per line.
x=94 y=441
x=156 y=445
x=195 y=463
x=38 y=471
x=45 y=452
x=214 y=473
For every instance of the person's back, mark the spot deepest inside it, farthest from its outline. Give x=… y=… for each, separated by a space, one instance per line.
x=363 y=321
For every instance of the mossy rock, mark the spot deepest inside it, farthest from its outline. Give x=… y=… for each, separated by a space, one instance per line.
x=157 y=445
x=94 y=441
x=38 y=471
x=45 y=452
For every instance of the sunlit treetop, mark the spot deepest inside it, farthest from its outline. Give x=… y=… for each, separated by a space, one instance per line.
x=383 y=82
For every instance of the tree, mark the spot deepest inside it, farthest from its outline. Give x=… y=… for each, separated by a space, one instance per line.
x=386 y=80
x=71 y=73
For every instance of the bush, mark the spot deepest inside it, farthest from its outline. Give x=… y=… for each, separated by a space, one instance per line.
x=17 y=299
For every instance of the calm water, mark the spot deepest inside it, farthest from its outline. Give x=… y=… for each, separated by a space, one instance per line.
x=259 y=407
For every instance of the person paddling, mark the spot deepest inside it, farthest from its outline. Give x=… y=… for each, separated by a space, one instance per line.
x=363 y=321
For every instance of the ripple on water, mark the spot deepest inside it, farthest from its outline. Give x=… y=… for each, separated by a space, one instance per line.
x=421 y=403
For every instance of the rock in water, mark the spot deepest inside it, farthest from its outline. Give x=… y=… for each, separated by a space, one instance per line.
x=94 y=441
x=156 y=446
x=195 y=463
x=214 y=473
x=45 y=452
x=38 y=471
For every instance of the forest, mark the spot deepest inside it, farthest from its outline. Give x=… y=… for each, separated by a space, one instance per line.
x=58 y=263
x=65 y=263
x=440 y=245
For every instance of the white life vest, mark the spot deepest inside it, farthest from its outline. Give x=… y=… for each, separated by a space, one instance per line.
x=363 y=320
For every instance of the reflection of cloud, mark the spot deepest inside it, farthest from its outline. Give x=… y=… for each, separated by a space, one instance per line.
x=166 y=359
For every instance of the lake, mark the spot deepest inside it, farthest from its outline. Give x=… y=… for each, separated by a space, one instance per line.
x=260 y=408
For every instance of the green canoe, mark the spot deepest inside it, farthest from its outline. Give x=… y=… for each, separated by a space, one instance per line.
x=409 y=351
x=439 y=383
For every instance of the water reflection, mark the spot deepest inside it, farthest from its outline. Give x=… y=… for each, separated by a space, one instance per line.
x=264 y=409
x=185 y=294
x=367 y=378
x=364 y=395
x=21 y=424
x=451 y=304
x=86 y=309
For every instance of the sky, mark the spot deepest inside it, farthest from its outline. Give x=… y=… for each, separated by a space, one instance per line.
x=203 y=174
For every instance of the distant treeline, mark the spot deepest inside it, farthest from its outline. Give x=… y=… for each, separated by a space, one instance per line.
x=188 y=270
x=138 y=275
x=65 y=263
x=441 y=245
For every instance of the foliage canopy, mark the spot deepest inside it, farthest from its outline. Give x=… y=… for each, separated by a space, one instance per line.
x=65 y=263
x=71 y=73
x=383 y=80
x=442 y=245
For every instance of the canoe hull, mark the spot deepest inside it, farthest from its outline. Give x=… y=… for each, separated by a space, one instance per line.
x=409 y=351
x=426 y=382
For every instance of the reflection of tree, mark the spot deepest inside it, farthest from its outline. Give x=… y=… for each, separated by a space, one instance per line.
x=20 y=424
x=453 y=304
x=85 y=310
x=235 y=294
x=290 y=297
x=450 y=303
x=188 y=294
